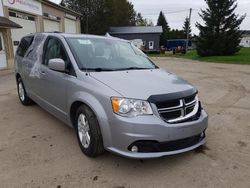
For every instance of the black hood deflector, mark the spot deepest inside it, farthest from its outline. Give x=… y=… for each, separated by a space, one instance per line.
x=172 y=96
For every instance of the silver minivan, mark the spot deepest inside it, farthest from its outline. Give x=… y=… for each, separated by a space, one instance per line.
x=111 y=93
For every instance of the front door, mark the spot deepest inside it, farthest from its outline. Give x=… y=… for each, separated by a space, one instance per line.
x=3 y=63
x=51 y=85
x=151 y=45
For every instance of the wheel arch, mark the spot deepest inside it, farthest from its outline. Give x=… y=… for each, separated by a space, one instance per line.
x=73 y=109
x=77 y=103
x=99 y=112
x=18 y=76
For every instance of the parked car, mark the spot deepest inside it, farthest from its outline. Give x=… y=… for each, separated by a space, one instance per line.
x=179 y=49
x=173 y=44
x=111 y=93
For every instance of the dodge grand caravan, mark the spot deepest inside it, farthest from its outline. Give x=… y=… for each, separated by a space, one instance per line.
x=111 y=93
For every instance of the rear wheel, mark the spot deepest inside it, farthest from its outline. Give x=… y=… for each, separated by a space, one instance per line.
x=88 y=132
x=25 y=100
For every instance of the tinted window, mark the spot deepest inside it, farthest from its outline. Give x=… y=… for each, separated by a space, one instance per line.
x=54 y=50
x=24 y=45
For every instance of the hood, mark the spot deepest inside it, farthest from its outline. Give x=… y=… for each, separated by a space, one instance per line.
x=141 y=84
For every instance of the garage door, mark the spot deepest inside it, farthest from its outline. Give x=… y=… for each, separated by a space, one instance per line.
x=27 y=22
x=2 y=53
x=51 y=25
x=70 y=26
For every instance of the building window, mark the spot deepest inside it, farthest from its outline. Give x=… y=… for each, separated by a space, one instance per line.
x=144 y=43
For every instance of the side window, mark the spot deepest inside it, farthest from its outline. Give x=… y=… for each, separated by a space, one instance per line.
x=24 y=45
x=54 y=49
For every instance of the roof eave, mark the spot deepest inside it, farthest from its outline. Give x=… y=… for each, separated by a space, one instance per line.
x=8 y=24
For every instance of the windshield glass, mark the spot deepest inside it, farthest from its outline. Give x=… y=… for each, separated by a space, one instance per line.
x=98 y=54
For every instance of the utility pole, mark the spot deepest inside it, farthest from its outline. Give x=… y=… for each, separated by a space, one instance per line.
x=87 y=24
x=87 y=17
x=189 y=21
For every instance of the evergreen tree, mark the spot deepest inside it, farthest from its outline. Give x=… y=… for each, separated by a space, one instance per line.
x=140 y=21
x=62 y=3
x=176 y=34
x=220 y=35
x=120 y=13
x=187 y=28
x=165 y=27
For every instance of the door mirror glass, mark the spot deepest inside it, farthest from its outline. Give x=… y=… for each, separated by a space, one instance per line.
x=57 y=65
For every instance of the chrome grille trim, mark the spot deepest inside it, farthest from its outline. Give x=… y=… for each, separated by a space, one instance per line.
x=183 y=109
x=172 y=108
x=192 y=102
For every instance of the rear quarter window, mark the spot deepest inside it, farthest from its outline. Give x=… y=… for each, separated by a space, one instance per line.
x=24 y=45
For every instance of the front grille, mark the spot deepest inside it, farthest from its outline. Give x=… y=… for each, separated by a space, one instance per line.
x=189 y=99
x=189 y=109
x=171 y=114
x=168 y=104
x=179 y=110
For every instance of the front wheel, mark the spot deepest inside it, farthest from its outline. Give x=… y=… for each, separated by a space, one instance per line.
x=88 y=132
x=25 y=100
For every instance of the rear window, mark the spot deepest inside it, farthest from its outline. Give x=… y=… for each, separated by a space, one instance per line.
x=24 y=45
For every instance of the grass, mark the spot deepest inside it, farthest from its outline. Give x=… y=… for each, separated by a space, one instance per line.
x=242 y=57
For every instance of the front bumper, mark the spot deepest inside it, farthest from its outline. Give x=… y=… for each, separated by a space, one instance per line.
x=125 y=131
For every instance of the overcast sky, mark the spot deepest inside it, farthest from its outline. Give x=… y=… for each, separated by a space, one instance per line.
x=176 y=11
x=151 y=8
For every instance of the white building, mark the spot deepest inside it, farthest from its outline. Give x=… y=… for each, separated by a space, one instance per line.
x=245 y=41
x=5 y=40
x=31 y=16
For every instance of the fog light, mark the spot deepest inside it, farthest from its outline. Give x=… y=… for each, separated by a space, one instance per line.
x=134 y=149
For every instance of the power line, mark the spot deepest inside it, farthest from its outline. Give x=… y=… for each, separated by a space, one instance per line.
x=172 y=12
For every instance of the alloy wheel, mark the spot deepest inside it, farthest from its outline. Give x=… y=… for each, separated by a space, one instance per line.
x=21 y=91
x=83 y=130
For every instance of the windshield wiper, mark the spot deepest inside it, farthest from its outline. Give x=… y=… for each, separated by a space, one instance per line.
x=134 y=68
x=121 y=69
x=97 y=69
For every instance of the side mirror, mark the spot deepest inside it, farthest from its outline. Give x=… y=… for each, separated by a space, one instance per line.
x=57 y=65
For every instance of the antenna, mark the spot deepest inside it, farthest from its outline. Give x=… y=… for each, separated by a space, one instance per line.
x=189 y=22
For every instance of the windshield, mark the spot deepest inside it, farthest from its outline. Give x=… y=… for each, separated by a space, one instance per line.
x=98 y=54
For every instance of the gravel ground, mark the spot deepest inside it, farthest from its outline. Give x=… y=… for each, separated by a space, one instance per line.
x=37 y=150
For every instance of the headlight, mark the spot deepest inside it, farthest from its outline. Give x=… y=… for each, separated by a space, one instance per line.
x=130 y=107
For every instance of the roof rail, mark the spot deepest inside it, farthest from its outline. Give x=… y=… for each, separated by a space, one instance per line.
x=53 y=32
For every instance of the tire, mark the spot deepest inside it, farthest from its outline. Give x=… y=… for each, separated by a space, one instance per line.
x=22 y=95
x=88 y=132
